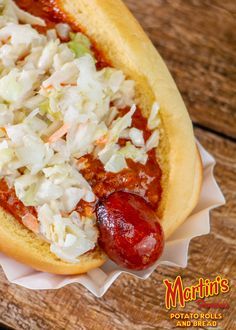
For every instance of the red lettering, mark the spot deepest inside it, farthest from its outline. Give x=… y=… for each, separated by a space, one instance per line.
x=187 y=294
x=201 y=288
x=174 y=291
x=207 y=288
x=214 y=290
x=224 y=286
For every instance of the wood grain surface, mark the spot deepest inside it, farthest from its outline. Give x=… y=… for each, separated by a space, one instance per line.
x=198 y=41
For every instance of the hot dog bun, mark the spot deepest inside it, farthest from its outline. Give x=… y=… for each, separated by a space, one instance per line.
x=124 y=45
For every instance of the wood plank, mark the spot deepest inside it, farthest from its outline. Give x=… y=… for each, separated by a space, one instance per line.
x=132 y=303
x=198 y=42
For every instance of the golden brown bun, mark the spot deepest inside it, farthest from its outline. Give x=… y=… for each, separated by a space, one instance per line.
x=125 y=45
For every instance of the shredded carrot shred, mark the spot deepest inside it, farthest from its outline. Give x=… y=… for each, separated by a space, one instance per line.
x=31 y=222
x=48 y=87
x=58 y=134
x=102 y=140
x=68 y=84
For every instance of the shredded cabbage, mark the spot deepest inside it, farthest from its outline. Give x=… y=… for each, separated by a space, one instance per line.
x=63 y=55
x=116 y=163
x=120 y=124
x=24 y=186
x=17 y=85
x=79 y=44
x=46 y=59
x=71 y=198
x=19 y=34
x=49 y=107
x=63 y=30
x=70 y=237
x=136 y=136
x=6 y=154
x=136 y=154
x=106 y=153
x=6 y=115
x=153 y=141
x=48 y=191
x=154 y=119
x=67 y=75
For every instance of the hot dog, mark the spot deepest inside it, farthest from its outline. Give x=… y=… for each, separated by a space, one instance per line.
x=89 y=116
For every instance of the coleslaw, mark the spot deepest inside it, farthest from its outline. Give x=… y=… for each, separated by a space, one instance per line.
x=56 y=107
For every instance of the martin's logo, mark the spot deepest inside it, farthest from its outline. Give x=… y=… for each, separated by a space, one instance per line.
x=204 y=288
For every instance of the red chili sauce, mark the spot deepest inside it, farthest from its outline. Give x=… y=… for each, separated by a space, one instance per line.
x=10 y=202
x=144 y=180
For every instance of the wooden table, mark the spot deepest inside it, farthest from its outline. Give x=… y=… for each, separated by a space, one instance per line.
x=198 y=41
